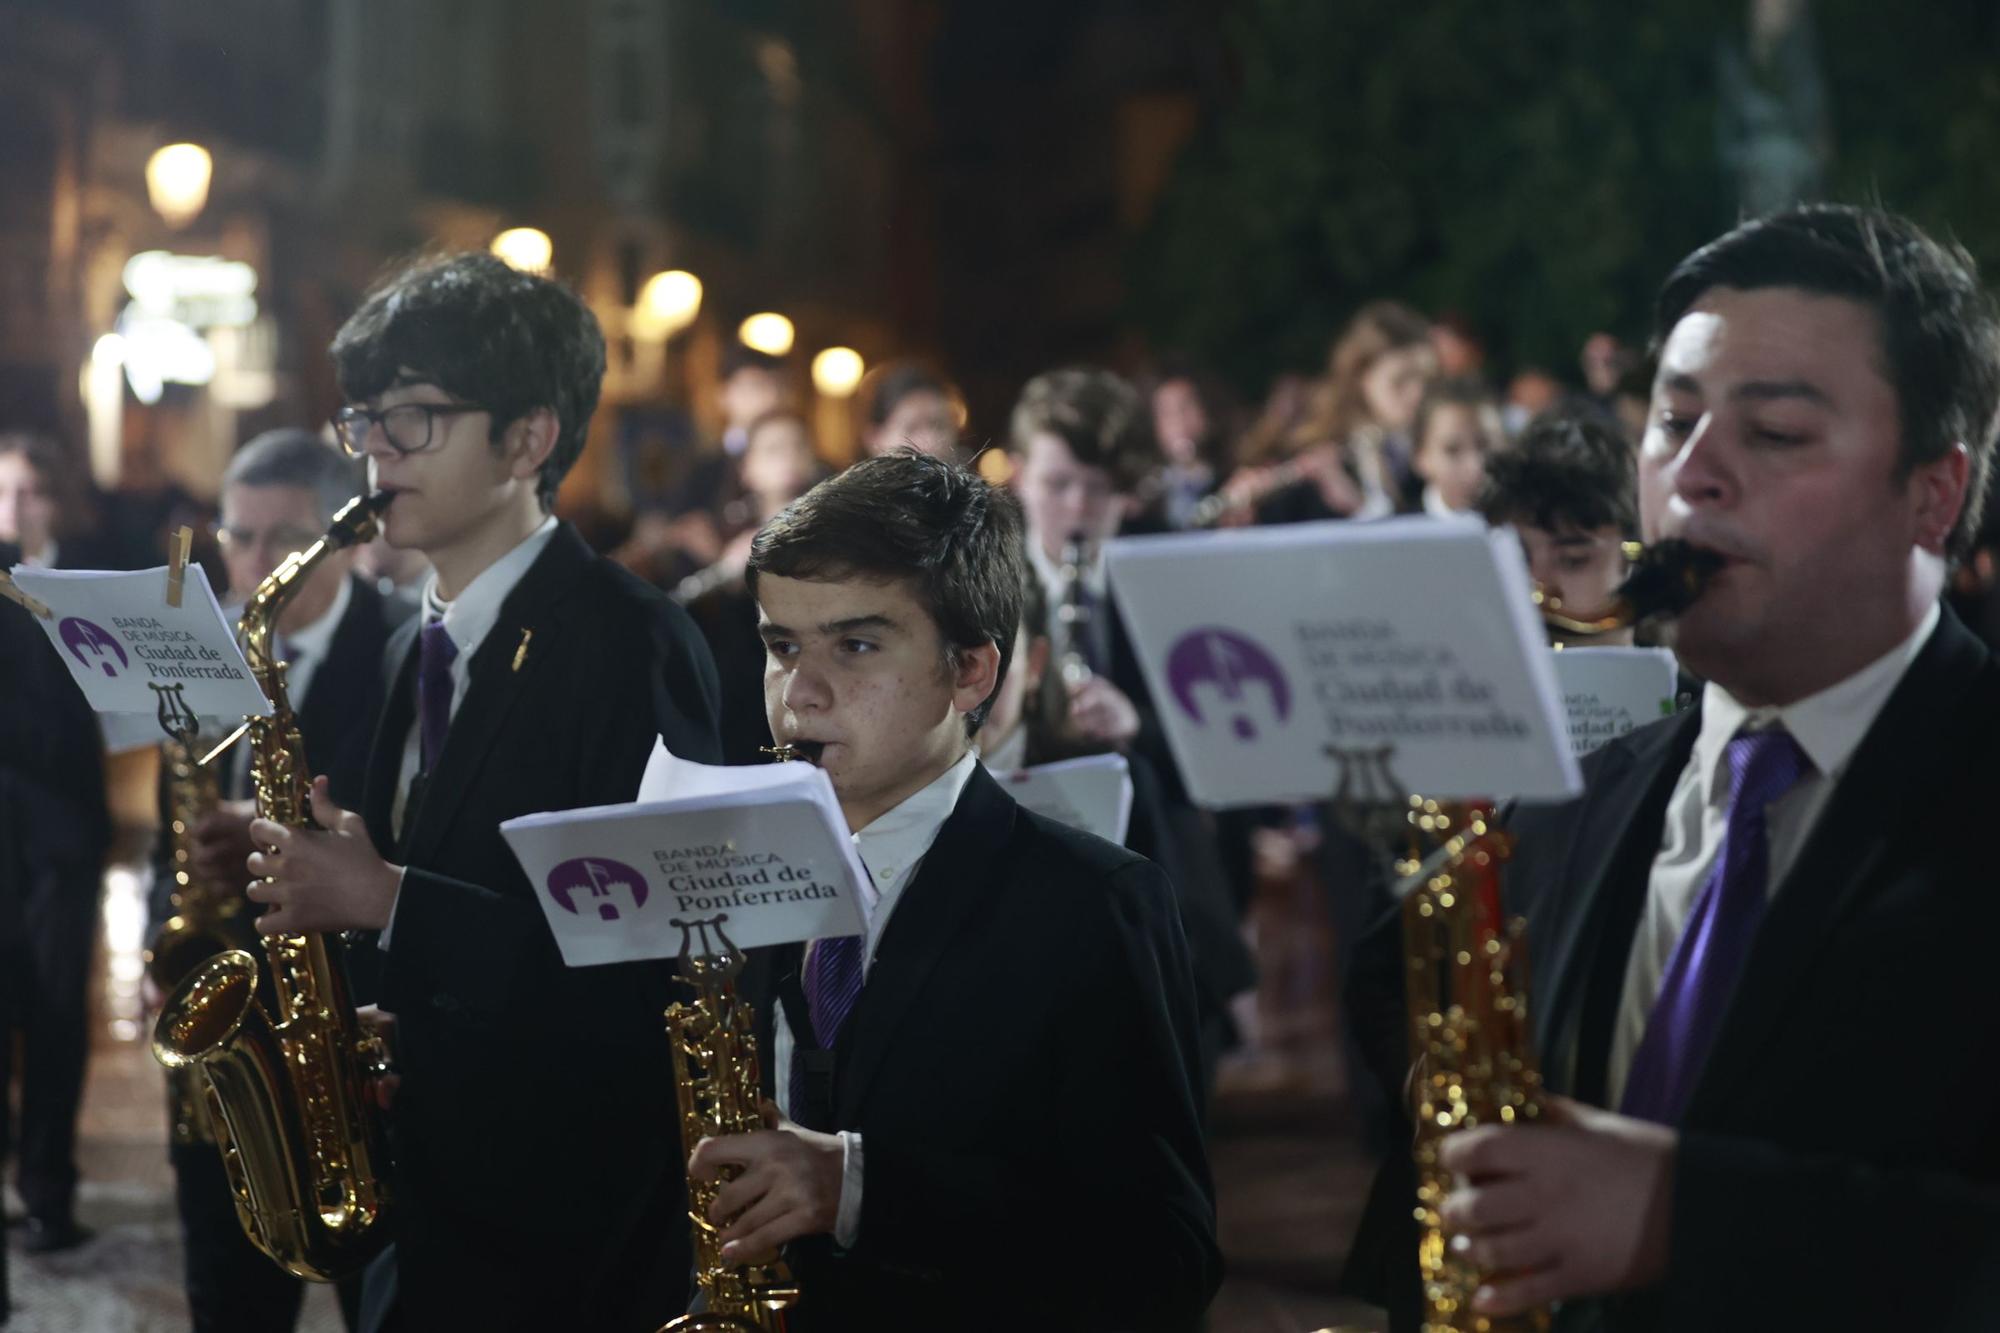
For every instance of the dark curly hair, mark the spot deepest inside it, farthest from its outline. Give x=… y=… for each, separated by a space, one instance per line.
x=1567 y=471
x=485 y=333
x=907 y=516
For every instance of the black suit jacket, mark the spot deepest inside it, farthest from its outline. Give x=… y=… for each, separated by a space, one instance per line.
x=1839 y=1161
x=1021 y=1067
x=51 y=754
x=537 y=1099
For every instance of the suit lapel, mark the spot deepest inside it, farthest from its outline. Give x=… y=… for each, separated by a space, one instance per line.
x=492 y=684
x=1592 y=913
x=392 y=732
x=341 y=677
x=1870 y=809
x=957 y=876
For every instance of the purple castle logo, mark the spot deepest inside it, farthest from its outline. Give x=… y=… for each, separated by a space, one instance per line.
x=92 y=645
x=1211 y=672
x=598 y=883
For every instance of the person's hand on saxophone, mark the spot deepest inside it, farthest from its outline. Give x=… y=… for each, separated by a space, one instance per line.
x=787 y=1185
x=319 y=879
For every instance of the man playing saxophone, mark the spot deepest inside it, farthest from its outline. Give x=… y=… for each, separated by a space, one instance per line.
x=537 y=1185
x=991 y=1104
x=1758 y=933
x=279 y=493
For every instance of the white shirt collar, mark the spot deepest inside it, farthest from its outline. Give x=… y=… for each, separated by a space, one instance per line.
x=470 y=616
x=1828 y=726
x=900 y=837
x=1435 y=506
x=316 y=638
x=1050 y=571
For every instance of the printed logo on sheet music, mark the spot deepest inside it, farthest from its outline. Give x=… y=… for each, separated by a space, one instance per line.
x=93 y=645
x=588 y=885
x=1217 y=675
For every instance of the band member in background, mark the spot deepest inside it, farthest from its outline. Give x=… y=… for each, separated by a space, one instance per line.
x=1457 y=431
x=54 y=762
x=537 y=1184
x=906 y=406
x=954 y=1124
x=279 y=493
x=1757 y=932
x=1569 y=488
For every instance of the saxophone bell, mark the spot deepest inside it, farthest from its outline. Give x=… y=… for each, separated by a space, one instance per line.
x=286 y=1076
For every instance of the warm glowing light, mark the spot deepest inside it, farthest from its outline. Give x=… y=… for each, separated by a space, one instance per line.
x=526 y=248
x=108 y=351
x=837 y=371
x=668 y=303
x=177 y=178
x=768 y=333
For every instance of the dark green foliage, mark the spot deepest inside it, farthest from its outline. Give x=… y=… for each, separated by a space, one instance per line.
x=1537 y=167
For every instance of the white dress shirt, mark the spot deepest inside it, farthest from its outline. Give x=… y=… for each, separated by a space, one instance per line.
x=1828 y=726
x=891 y=848
x=468 y=618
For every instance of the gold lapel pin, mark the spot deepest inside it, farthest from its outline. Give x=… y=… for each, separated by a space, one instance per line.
x=521 y=653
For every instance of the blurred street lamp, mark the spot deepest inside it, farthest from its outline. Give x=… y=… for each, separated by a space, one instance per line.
x=768 y=333
x=837 y=371
x=526 y=248
x=668 y=303
x=177 y=178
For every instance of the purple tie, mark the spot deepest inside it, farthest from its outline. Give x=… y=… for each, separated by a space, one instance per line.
x=434 y=658
x=832 y=985
x=1701 y=974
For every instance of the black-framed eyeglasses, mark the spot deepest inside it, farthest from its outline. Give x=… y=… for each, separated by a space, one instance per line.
x=408 y=427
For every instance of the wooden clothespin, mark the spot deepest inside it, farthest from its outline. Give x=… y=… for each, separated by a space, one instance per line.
x=13 y=592
x=178 y=551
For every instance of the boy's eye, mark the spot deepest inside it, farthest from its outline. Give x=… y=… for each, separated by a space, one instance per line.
x=780 y=647
x=856 y=646
x=1676 y=424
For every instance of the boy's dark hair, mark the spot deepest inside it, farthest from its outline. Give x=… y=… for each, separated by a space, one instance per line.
x=1455 y=391
x=907 y=516
x=1568 y=471
x=1098 y=415
x=737 y=357
x=485 y=333
x=1940 y=334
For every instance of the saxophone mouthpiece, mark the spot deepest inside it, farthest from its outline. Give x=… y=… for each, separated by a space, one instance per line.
x=358 y=519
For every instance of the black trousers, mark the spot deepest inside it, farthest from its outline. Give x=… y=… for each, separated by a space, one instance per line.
x=232 y=1287
x=45 y=970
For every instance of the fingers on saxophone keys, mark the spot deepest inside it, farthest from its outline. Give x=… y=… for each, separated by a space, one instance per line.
x=1503 y=1251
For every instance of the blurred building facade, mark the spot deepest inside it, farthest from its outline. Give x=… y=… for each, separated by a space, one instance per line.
x=894 y=176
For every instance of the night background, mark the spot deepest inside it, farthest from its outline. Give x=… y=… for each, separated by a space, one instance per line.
x=988 y=189
x=994 y=188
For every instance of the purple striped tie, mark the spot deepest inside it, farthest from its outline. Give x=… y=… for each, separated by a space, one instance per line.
x=832 y=984
x=435 y=655
x=1701 y=974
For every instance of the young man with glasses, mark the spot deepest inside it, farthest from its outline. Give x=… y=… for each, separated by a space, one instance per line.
x=279 y=493
x=538 y=1184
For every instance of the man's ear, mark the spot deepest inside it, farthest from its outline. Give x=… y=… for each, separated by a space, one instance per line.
x=974 y=674
x=530 y=440
x=1938 y=489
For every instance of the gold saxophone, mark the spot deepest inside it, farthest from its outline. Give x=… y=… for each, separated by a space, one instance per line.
x=1465 y=962
x=716 y=1082
x=206 y=919
x=288 y=1088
